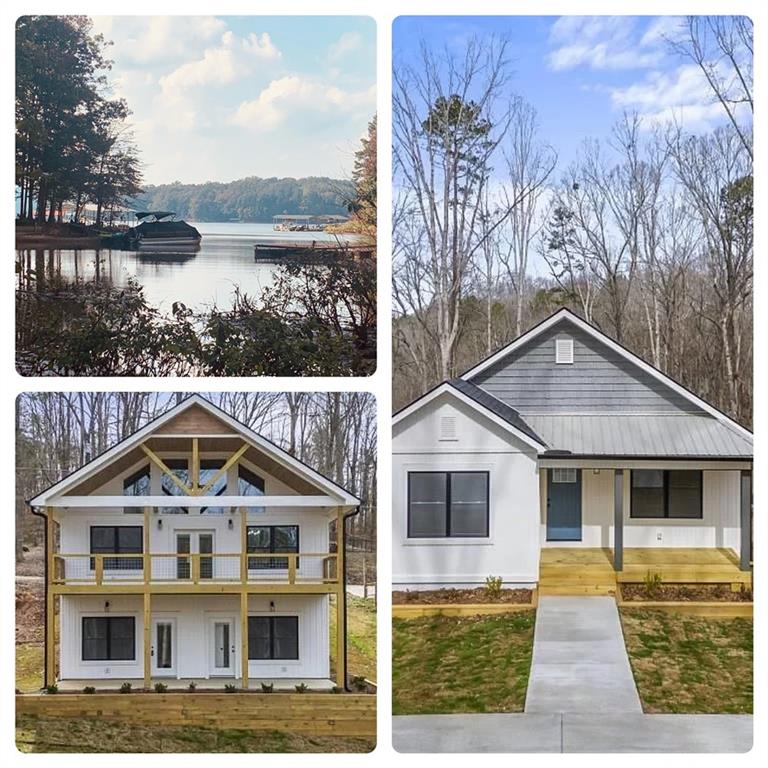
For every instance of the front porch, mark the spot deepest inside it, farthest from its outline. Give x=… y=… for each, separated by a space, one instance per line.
x=590 y=570
x=202 y=684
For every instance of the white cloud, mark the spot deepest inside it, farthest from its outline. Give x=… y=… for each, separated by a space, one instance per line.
x=147 y=39
x=600 y=42
x=681 y=95
x=290 y=95
x=348 y=43
x=232 y=59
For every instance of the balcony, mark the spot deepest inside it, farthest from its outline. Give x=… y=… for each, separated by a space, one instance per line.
x=215 y=572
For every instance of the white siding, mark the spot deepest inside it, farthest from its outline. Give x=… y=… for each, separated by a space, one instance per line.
x=719 y=526
x=193 y=642
x=511 y=551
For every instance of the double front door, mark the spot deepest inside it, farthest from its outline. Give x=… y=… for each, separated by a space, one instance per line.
x=194 y=543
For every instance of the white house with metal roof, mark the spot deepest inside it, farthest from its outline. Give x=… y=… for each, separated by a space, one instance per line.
x=564 y=440
x=194 y=550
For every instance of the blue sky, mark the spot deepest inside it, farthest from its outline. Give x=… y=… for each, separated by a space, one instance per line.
x=579 y=72
x=220 y=98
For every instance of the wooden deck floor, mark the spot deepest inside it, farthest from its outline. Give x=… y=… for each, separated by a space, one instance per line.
x=577 y=570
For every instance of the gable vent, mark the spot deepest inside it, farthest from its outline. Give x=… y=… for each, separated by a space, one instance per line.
x=448 y=428
x=564 y=351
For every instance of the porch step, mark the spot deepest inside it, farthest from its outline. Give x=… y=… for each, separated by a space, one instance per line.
x=550 y=573
x=577 y=589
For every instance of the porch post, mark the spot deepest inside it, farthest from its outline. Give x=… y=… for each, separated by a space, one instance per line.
x=746 y=521
x=50 y=603
x=618 y=520
x=147 y=639
x=341 y=605
x=244 y=636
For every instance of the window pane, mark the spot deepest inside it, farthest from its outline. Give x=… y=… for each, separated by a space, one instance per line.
x=208 y=469
x=248 y=483
x=130 y=539
x=647 y=493
x=259 y=538
x=94 y=638
x=286 y=637
x=258 y=637
x=137 y=484
x=102 y=539
x=684 y=493
x=121 y=638
x=164 y=642
x=286 y=538
x=427 y=508
x=469 y=504
x=180 y=469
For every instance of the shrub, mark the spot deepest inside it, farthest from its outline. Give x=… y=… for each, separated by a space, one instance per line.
x=126 y=688
x=160 y=687
x=493 y=585
x=89 y=689
x=230 y=688
x=301 y=688
x=359 y=683
x=337 y=689
x=192 y=687
x=267 y=687
x=52 y=688
x=652 y=582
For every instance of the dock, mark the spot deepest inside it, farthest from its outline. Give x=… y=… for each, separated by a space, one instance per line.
x=310 y=250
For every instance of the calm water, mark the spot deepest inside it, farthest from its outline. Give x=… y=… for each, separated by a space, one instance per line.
x=199 y=279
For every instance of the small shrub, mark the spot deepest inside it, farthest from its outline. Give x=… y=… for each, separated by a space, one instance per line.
x=493 y=586
x=192 y=687
x=230 y=688
x=126 y=688
x=267 y=687
x=52 y=688
x=359 y=683
x=337 y=689
x=301 y=688
x=652 y=583
x=89 y=689
x=160 y=687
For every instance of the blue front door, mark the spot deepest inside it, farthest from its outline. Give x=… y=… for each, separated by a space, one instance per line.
x=564 y=505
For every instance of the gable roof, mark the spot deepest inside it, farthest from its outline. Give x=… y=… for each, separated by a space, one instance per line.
x=500 y=413
x=565 y=314
x=127 y=444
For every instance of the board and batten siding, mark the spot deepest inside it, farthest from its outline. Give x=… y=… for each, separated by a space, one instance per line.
x=193 y=641
x=598 y=380
x=470 y=442
x=719 y=526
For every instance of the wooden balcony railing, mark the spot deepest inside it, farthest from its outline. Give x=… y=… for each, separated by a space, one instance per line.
x=195 y=568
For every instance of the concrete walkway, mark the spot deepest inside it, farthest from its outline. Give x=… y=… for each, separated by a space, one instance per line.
x=580 y=663
x=572 y=733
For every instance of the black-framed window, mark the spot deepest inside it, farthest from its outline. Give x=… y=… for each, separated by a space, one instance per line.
x=208 y=469
x=180 y=468
x=448 y=504
x=109 y=638
x=118 y=540
x=666 y=493
x=249 y=484
x=268 y=539
x=273 y=637
x=137 y=484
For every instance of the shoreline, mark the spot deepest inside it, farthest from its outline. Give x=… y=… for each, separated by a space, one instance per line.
x=56 y=241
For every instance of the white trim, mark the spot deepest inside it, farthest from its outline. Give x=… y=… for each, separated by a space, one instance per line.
x=600 y=336
x=301 y=469
x=446 y=388
x=659 y=462
x=192 y=501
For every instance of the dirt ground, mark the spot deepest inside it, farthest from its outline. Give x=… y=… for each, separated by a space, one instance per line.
x=685 y=593
x=33 y=563
x=461 y=596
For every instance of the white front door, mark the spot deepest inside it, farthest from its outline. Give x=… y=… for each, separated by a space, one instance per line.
x=221 y=638
x=194 y=542
x=163 y=647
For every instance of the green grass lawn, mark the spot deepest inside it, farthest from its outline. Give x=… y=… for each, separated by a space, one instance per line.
x=447 y=664
x=56 y=734
x=29 y=667
x=690 y=664
x=361 y=637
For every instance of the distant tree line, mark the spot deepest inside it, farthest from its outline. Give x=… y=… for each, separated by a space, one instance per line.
x=252 y=199
x=57 y=432
x=72 y=142
x=648 y=234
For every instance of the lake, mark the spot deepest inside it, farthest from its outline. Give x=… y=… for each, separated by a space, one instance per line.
x=199 y=279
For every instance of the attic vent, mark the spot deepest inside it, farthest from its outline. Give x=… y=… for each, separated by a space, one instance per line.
x=448 y=428
x=564 y=351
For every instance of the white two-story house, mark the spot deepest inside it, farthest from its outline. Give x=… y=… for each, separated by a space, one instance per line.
x=194 y=550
